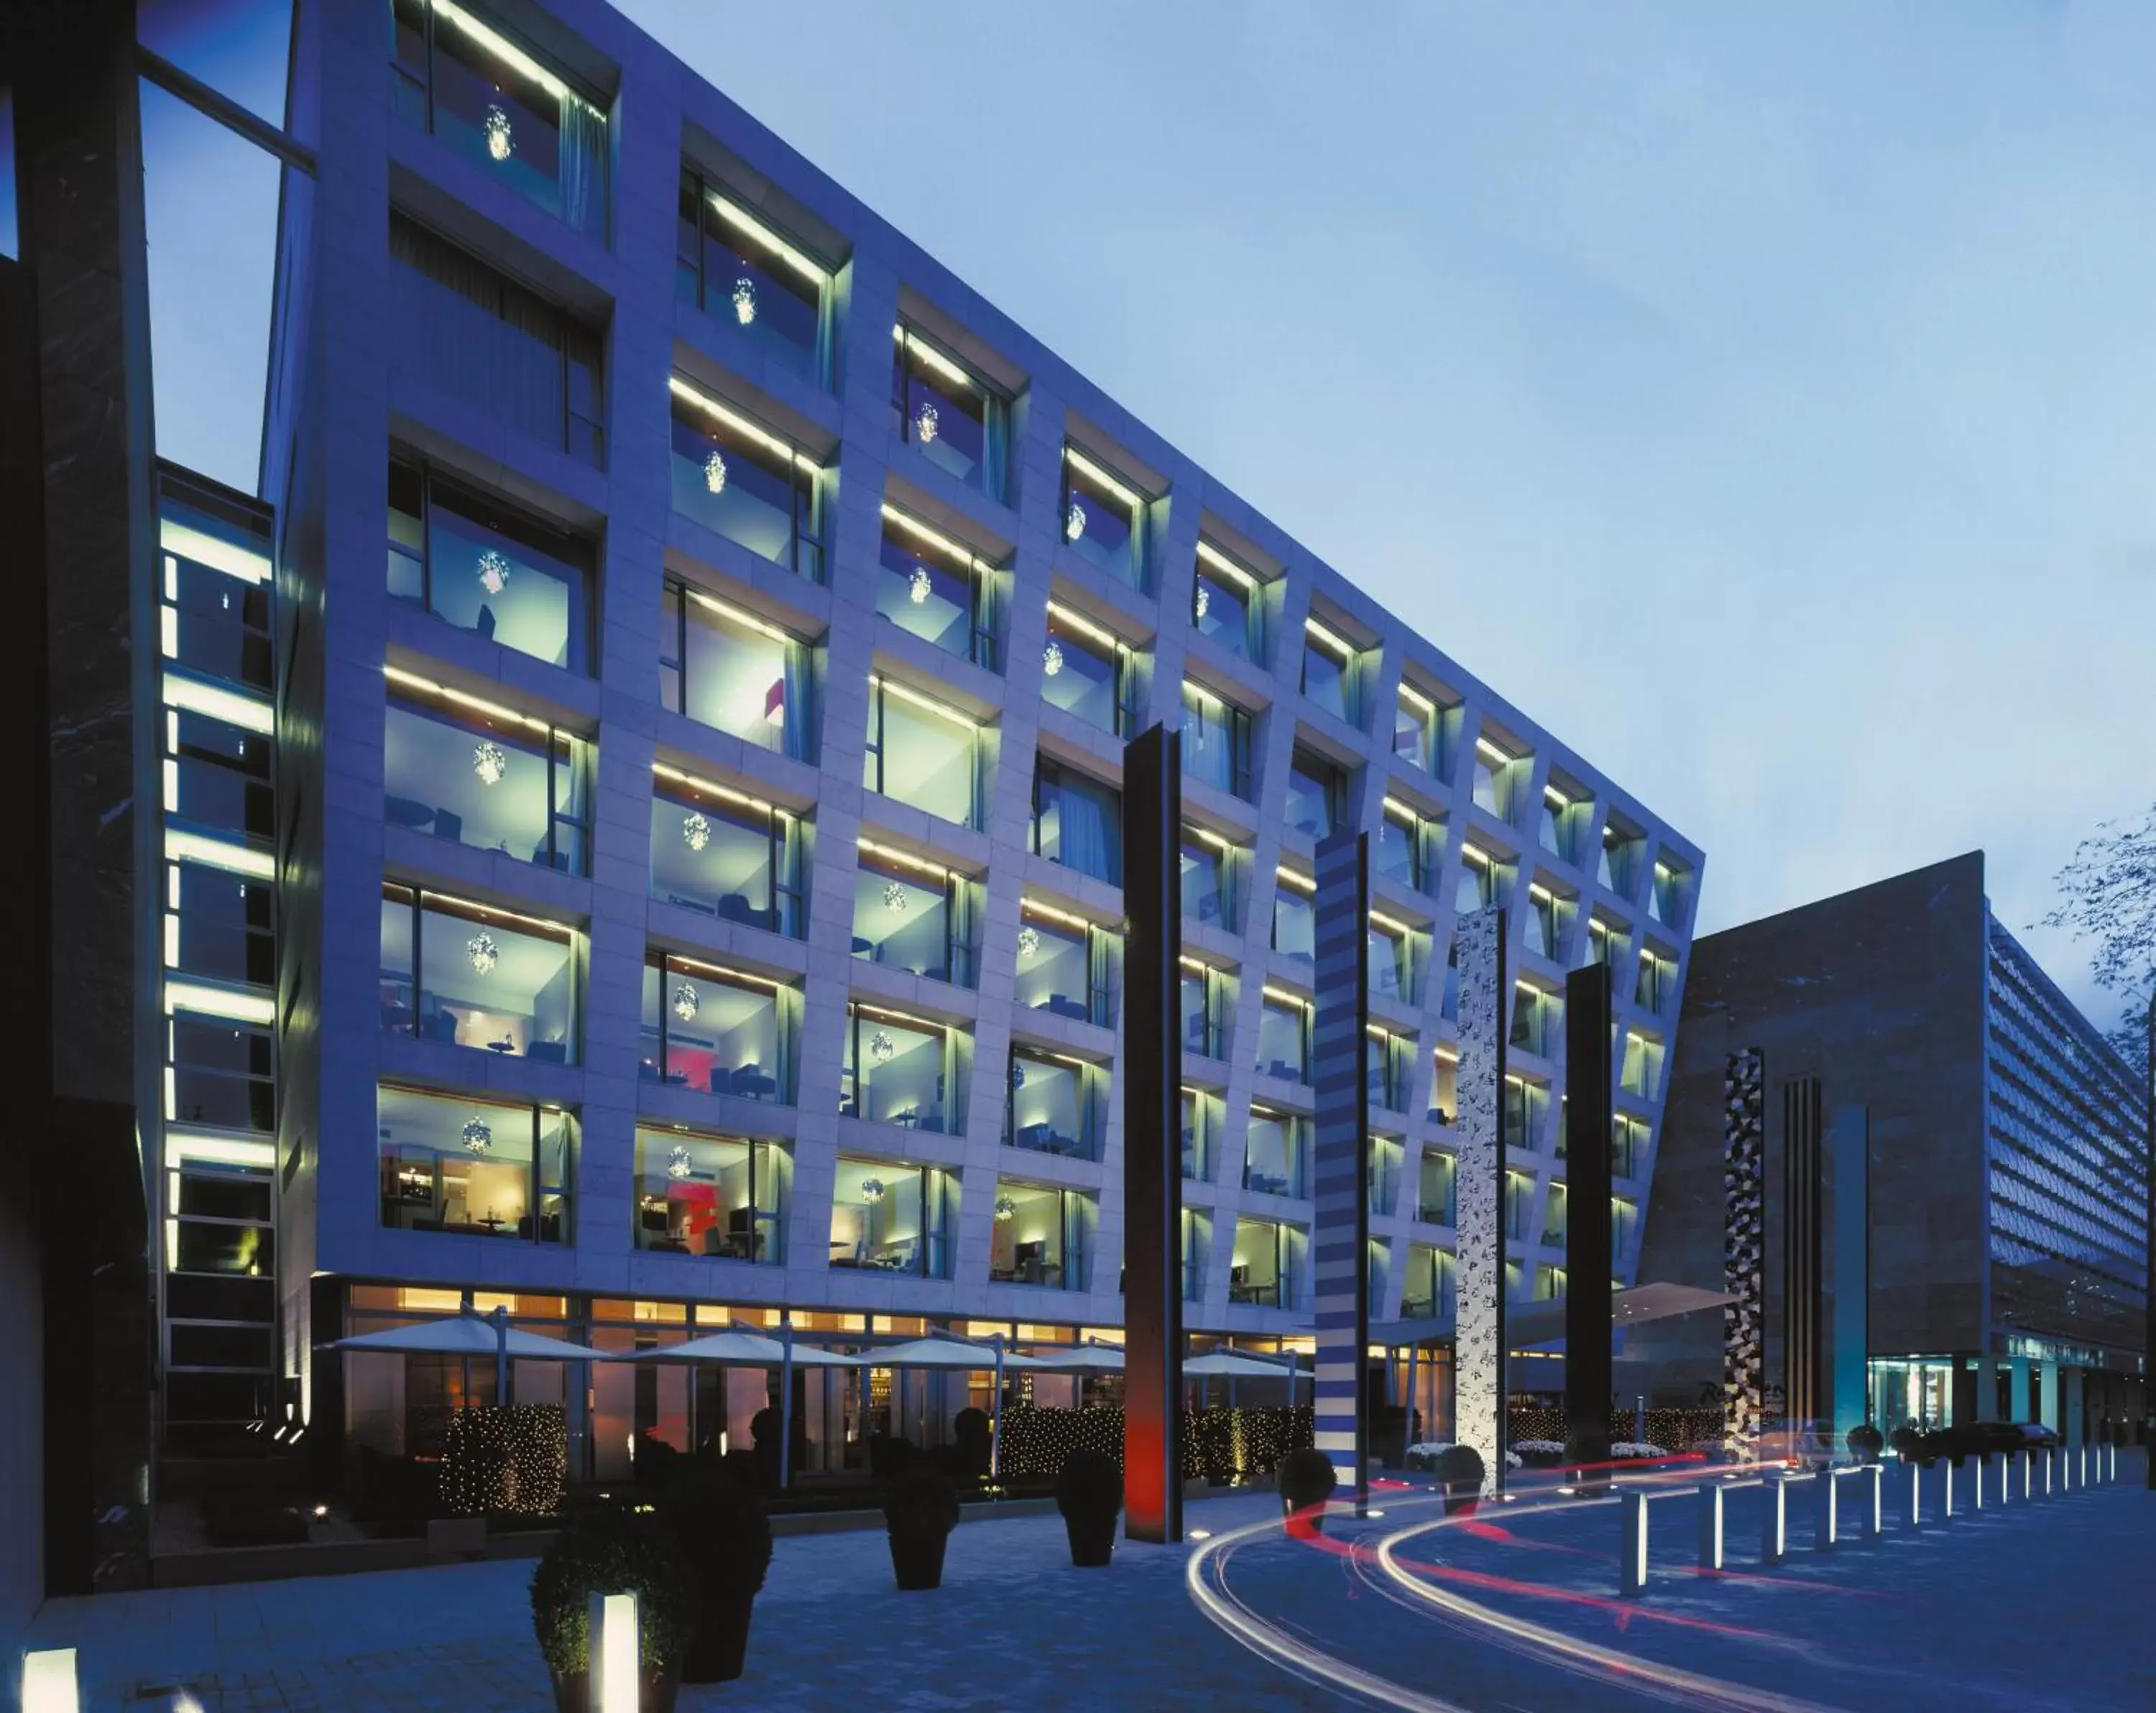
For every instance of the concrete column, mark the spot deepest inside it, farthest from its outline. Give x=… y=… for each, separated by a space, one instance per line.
x=2017 y=1396
x=1987 y=1389
x=2073 y=1385
x=2047 y=1394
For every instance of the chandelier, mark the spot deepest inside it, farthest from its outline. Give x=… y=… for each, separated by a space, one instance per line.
x=498 y=143
x=714 y=472
x=924 y=424
x=881 y=1047
x=895 y=898
x=744 y=301
x=1074 y=523
x=490 y=762
x=1205 y=600
x=695 y=831
x=484 y=953
x=493 y=572
x=1051 y=657
x=679 y=1165
x=1006 y=1208
x=685 y=1001
x=1029 y=941
x=478 y=1136
x=872 y=1189
x=920 y=586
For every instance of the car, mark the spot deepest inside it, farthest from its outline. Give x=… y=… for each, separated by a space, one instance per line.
x=1983 y=1439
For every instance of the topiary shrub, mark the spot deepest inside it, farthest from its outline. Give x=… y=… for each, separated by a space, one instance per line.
x=1089 y=1492
x=1460 y=1475
x=723 y=1534
x=1865 y=1443
x=919 y=1508
x=612 y=1552
x=1306 y=1481
x=1908 y=1444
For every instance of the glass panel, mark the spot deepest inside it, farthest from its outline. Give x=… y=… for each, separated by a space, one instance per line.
x=892 y=1218
x=711 y=1196
x=1224 y=608
x=1049 y=1112
x=1428 y=1290
x=1444 y=1091
x=898 y=1075
x=1216 y=741
x=1391 y=966
x=227 y=924
x=1282 y=1040
x=1052 y=967
x=1313 y=795
x=737 y=677
x=1031 y=1242
x=222 y=1073
x=903 y=919
x=489 y=572
x=925 y=593
x=1100 y=525
x=1414 y=732
x=1261 y=1270
x=1203 y=1005
x=1078 y=823
x=220 y=774
x=948 y=417
x=1273 y=1161
x=704 y=1032
x=1434 y=1196
x=1326 y=679
x=717 y=858
x=737 y=484
x=1199 y=1123
x=482 y=983
x=1295 y=923
x=1079 y=675
x=461 y=1166
x=1207 y=893
x=920 y=757
x=474 y=782
x=755 y=288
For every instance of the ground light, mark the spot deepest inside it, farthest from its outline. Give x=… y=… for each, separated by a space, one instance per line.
x=48 y=1685
x=614 y=1653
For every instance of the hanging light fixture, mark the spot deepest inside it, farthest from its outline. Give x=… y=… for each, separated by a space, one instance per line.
x=686 y=1001
x=1029 y=940
x=1205 y=600
x=478 y=1136
x=1018 y=1073
x=895 y=898
x=881 y=1047
x=924 y=424
x=1074 y=523
x=695 y=831
x=1006 y=1208
x=498 y=140
x=920 y=586
x=493 y=572
x=490 y=762
x=714 y=472
x=872 y=1189
x=484 y=953
x=1051 y=657
x=679 y=1165
x=744 y=301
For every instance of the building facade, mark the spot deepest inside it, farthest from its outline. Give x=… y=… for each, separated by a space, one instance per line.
x=2006 y=1148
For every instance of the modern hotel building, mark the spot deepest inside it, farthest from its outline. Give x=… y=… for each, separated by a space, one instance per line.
x=639 y=835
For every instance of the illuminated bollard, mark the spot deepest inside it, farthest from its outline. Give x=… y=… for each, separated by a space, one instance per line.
x=1709 y=1526
x=2050 y=1470
x=48 y=1685
x=1774 y=1531
x=1946 y=1489
x=2005 y=1478
x=614 y=1653
x=1872 y=1494
x=1828 y=1529
x=1632 y=1570
x=2027 y=1459
x=2111 y=1470
x=1916 y=1495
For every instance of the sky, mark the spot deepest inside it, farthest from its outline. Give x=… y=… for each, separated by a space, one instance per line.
x=1761 y=398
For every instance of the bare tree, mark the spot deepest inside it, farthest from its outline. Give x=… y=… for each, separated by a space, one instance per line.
x=2108 y=895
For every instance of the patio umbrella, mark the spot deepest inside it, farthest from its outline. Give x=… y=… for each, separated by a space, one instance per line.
x=743 y=1347
x=466 y=1333
x=1087 y=1358
x=954 y=1354
x=1233 y=1365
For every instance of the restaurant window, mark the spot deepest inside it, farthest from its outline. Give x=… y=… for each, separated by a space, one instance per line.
x=1207 y=996
x=1391 y=1074
x=1387 y=1156
x=727 y=669
x=1444 y=1088
x=1294 y=916
x=459 y=326
x=1568 y=816
x=1104 y=519
x=957 y=421
x=1436 y=1187
x=715 y=1196
x=726 y=854
x=1216 y=741
x=1410 y=847
x=1203 y=1116
x=1549 y=920
x=1228 y=604
x=473 y=1167
x=1089 y=672
x=1524 y=1114
x=1041 y=1236
x=1266 y=1269
x=931 y=587
x=1211 y=875
x=1656 y=987
x=468 y=976
x=1284 y=1036
x=720 y=1031
x=1057 y=1104
x=1397 y=955
x=1276 y=1152
x=1331 y=672
x=914 y=915
x=1537 y=1020
x=922 y=753
x=480 y=775
x=1316 y=795
x=1427 y=1292
x=744 y=272
x=737 y=479
x=1067 y=965
x=477 y=565
x=905 y=1070
x=498 y=106
x=887 y=1216
x=1077 y=821
x=1483 y=880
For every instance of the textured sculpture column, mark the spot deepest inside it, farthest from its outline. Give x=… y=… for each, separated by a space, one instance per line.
x=1479 y=1332
x=1743 y=1249
x=1341 y=1245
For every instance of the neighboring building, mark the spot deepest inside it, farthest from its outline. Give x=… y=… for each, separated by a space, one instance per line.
x=2007 y=1155
x=698 y=634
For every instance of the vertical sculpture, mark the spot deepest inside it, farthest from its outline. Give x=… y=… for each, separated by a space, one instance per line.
x=1340 y=1048
x=1479 y=1332
x=1848 y=1226
x=1152 y=1129
x=1589 y=1117
x=1802 y=1349
x=1743 y=1249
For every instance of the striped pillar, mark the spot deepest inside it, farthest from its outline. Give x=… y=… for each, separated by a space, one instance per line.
x=1743 y=1249
x=1479 y=1332
x=1340 y=1048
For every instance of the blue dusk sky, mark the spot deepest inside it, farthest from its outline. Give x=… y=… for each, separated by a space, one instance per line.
x=1763 y=399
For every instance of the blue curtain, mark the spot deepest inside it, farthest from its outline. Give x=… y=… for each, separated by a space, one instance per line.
x=800 y=678
x=1100 y=977
x=995 y=425
x=1091 y=829
x=583 y=167
x=785 y=1059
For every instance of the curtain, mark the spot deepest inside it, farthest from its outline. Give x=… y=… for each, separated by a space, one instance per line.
x=529 y=345
x=957 y=1073
x=1092 y=1090
x=583 y=167
x=785 y=1060
x=995 y=435
x=1100 y=977
x=962 y=908
x=786 y=861
x=799 y=674
x=1091 y=827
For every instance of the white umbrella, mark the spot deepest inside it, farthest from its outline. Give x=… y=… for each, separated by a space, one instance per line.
x=742 y=1347
x=1087 y=1358
x=466 y=1333
x=949 y=1352
x=1238 y=1365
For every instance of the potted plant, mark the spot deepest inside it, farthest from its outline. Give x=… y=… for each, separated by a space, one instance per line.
x=1089 y=1492
x=974 y=1436
x=1306 y=1482
x=1907 y=1443
x=723 y=1534
x=920 y=1508
x=607 y=1552
x=1460 y=1474
x=1865 y=1443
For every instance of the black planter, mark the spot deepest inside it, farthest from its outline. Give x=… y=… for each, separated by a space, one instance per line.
x=1461 y=1504
x=718 y=1646
x=1090 y=1546
x=1302 y=1519
x=573 y=1691
x=916 y=1557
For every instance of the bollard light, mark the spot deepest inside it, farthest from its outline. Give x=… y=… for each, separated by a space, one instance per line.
x=614 y=1650
x=1632 y=1570
x=1916 y=1495
x=1874 y=1498
x=1830 y=1521
x=1774 y=1533
x=1709 y=1526
x=48 y=1685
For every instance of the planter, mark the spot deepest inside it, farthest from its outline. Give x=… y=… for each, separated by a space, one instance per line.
x=1302 y=1522
x=1090 y=1547
x=573 y=1691
x=1461 y=1504
x=718 y=1644
x=916 y=1560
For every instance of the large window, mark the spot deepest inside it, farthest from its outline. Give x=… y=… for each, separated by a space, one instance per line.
x=1294 y=916
x=1428 y=1291
x=893 y=1217
x=218 y=773
x=1058 y=1105
x=1228 y=604
x=1501 y=780
x=1656 y=987
x=1392 y=1070
x=958 y=423
x=1537 y=1020
x=724 y=854
x=727 y=669
x=1067 y=965
x=905 y=1070
x=480 y=775
x=1216 y=741
x=1410 y=846
x=1316 y=795
x=1549 y=920
x=738 y=479
x=1284 y=1036
x=741 y=270
x=1266 y=1267
x=1042 y=1236
x=1331 y=676
x=486 y=569
x=1397 y=955
x=457 y=325
x=1207 y=998
x=491 y=100
x=468 y=976
x=1276 y=1153
x=1445 y=1088
x=1388 y=1155
x=923 y=753
x=1437 y=1188
x=1415 y=729
x=1524 y=1119
x=915 y=916
x=1641 y=1071
x=715 y=1196
x=224 y=1072
x=720 y=1031
x=933 y=588
x=1624 y=855
x=473 y=1167
x=1483 y=880
x=1567 y=818
x=1089 y=672
x=1203 y=1117
x=1670 y=902
x=1077 y=821
x=1211 y=878
x=1104 y=519
x=221 y=921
